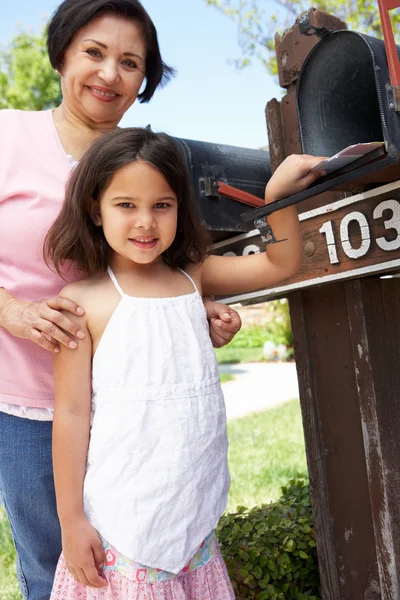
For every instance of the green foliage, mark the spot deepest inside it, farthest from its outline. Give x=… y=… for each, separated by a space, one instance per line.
x=225 y=377
x=266 y=450
x=280 y=328
x=27 y=80
x=8 y=583
x=251 y=337
x=228 y=355
x=270 y=551
x=247 y=344
x=256 y=27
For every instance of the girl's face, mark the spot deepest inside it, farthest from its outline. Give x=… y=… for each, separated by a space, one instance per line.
x=103 y=69
x=138 y=213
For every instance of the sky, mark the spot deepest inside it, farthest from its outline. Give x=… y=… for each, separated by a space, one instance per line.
x=208 y=100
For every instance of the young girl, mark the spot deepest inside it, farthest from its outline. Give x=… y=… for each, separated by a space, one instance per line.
x=140 y=445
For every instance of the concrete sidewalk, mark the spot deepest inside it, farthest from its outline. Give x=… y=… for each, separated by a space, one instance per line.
x=258 y=386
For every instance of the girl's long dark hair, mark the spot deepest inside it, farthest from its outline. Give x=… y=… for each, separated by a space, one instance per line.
x=75 y=237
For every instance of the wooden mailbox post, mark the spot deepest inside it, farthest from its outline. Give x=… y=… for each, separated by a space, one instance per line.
x=346 y=325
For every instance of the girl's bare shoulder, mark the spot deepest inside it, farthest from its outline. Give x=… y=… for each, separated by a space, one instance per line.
x=83 y=290
x=99 y=298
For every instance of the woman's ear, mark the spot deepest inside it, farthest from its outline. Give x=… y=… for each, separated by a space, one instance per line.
x=95 y=213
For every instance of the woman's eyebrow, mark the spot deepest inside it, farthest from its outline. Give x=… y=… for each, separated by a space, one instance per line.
x=105 y=47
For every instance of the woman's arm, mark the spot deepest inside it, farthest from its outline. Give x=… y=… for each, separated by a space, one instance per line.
x=224 y=322
x=235 y=274
x=82 y=546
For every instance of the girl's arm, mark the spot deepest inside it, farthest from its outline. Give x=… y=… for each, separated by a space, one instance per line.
x=82 y=548
x=235 y=274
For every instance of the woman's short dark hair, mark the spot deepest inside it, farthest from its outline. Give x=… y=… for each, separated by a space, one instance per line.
x=72 y=15
x=75 y=237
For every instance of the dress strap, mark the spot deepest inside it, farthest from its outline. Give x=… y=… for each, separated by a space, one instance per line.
x=115 y=282
x=190 y=279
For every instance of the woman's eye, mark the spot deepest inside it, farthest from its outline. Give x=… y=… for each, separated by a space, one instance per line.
x=131 y=64
x=125 y=204
x=162 y=205
x=93 y=52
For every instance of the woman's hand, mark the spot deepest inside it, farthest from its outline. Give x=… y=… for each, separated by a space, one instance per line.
x=41 y=321
x=224 y=321
x=83 y=553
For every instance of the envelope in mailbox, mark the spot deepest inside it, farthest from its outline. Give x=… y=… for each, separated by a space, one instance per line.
x=346 y=156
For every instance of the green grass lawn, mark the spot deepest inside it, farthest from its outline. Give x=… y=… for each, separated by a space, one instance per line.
x=266 y=450
x=9 y=589
x=227 y=355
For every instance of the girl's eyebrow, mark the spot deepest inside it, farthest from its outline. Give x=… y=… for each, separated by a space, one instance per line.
x=105 y=47
x=130 y=198
x=133 y=199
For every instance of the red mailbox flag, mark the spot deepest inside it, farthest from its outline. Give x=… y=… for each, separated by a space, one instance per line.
x=391 y=51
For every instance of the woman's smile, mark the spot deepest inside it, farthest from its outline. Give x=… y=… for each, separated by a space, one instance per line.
x=103 y=94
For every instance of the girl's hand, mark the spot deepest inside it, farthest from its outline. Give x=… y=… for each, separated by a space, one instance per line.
x=224 y=321
x=42 y=322
x=83 y=553
x=292 y=176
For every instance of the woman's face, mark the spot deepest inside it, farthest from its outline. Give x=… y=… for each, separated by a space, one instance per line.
x=103 y=69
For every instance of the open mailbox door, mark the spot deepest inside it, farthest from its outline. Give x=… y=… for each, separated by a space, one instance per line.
x=348 y=93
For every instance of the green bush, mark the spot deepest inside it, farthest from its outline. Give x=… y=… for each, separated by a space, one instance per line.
x=280 y=327
x=270 y=551
x=278 y=330
x=253 y=336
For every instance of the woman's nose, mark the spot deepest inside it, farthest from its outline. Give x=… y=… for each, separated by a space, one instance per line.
x=109 y=72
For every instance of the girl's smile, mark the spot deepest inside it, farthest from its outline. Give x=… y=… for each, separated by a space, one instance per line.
x=144 y=243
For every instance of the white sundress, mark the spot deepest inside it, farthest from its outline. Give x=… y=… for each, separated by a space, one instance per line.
x=157 y=477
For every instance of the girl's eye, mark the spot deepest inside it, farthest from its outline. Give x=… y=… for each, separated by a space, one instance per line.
x=162 y=205
x=93 y=52
x=125 y=204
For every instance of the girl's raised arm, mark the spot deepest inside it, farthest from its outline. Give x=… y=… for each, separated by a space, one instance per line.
x=82 y=548
x=236 y=274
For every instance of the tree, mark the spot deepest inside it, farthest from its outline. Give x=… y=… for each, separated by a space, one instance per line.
x=27 y=80
x=256 y=30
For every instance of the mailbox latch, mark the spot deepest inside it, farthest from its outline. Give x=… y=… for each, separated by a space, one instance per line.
x=267 y=235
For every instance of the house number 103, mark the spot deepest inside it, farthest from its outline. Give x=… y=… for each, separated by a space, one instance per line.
x=392 y=223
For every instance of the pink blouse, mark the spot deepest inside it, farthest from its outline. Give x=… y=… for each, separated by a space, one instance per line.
x=33 y=171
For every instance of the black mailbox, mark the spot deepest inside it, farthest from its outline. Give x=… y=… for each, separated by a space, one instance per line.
x=225 y=179
x=345 y=97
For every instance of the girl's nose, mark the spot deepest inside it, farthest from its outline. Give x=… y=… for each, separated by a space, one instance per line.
x=145 y=220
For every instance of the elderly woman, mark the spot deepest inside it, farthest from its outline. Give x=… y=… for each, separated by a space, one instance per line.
x=106 y=51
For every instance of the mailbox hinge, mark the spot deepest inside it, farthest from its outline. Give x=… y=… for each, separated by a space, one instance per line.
x=393 y=90
x=393 y=94
x=307 y=28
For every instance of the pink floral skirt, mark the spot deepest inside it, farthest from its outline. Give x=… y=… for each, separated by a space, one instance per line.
x=204 y=578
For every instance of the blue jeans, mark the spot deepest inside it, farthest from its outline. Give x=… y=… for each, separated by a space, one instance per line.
x=27 y=491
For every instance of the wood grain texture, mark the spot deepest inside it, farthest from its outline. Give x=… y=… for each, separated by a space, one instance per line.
x=362 y=238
